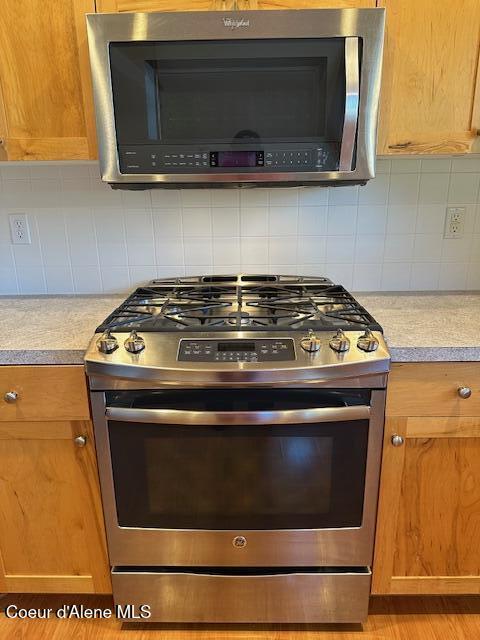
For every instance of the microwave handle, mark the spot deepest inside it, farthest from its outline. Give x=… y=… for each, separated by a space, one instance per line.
x=290 y=416
x=352 y=98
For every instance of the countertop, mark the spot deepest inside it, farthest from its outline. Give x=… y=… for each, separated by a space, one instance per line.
x=418 y=327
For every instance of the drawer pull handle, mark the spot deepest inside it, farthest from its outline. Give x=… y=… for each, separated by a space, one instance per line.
x=464 y=392
x=11 y=397
x=80 y=441
x=397 y=440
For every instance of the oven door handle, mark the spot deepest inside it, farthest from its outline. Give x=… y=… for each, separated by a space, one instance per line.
x=290 y=416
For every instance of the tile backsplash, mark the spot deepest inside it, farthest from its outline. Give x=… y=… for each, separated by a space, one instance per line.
x=388 y=235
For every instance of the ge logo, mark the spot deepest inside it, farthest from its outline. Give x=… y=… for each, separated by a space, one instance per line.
x=239 y=541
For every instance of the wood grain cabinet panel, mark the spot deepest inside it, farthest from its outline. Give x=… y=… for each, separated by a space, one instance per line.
x=429 y=95
x=52 y=537
x=429 y=508
x=47 y=112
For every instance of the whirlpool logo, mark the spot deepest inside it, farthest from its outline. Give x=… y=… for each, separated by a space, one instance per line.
x=235 y=23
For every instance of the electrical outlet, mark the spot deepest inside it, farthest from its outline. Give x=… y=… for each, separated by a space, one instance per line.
x=454 y=222
x=19 y=228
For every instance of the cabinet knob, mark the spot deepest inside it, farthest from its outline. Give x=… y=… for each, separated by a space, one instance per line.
x=397 y=440
x=80 y=441
x=464 y=392
x=11 y=396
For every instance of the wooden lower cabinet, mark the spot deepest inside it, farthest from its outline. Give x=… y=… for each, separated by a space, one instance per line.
x=52 y=537
x=428 y=528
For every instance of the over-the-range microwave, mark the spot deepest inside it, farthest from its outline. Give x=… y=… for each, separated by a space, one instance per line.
x=236 y=98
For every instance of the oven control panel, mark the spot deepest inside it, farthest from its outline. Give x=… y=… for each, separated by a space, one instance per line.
x=236 y=350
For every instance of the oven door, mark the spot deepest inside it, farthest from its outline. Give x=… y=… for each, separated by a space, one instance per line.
x=239 y=477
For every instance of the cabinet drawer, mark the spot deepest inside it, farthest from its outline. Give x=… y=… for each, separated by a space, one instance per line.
x=432 y=389
x=44 y=393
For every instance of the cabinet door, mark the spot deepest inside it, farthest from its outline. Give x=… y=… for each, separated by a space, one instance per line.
x=164 y=5
x=429 y=510
x=46 y=114
x=429 y=76
x=51 y=528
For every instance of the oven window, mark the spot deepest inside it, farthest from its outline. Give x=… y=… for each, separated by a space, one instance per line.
x=302 y=476
x=229 y=92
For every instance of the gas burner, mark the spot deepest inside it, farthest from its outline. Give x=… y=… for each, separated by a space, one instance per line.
x=233 y=303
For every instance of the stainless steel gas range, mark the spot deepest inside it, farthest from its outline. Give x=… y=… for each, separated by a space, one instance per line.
x=238 y=423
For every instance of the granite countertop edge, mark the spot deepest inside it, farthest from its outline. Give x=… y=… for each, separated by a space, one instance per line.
x=398 y=355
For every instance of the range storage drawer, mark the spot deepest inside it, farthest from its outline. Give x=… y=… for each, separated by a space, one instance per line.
x=234 y=595
x=43 y=393
x=434 y=389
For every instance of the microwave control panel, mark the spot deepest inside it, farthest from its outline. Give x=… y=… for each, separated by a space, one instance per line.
x=151 y=159
x=236 y=350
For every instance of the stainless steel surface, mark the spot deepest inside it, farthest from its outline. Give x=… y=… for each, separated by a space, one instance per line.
x=158 y=364
x=11 y=397
x=464 y=392
x=365 y=24
x=339 y=342
x=292 y=416
x=367 y=342
x=130 y=546
x=106 y=343
x=134 y=343
x=352 y=99
x=310 y=342
x=80 y=441
x=397 y=440
x=289 y=597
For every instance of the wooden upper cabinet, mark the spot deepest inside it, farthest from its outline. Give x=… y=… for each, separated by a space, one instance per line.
x=225 y=5
x=428 y=102
x=47 y=112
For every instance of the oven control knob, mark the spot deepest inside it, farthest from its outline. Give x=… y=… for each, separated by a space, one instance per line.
x=367 y=342
x=310 y=342
x=340 y=342
x=134 y=343
x=107 y=343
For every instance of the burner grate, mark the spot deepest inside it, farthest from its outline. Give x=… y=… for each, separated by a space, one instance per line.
x=236 y=303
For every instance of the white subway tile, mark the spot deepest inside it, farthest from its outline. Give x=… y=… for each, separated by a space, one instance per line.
x=340 y=249
x=403 y=188
x=254 y=269
x=226 y=222
x=169 y=252
x=81 y=237
x=196 y=197
x=76 y=171
x=371 y=219
x=115 y=280
x=436 y=165
x=167 y=222
x=283 y=250
x=164 y=271
x=59 y=280
x=283 y=197
x=453 y=276
x=405 y=165
x=31 y=280
x=342 y=273
x=254 y=251
x=225 y=197
x=312 y=249
x=166 y=198
x=8 y=281
x=109 y=225
x=282 y=221
x=198 y=251
x=140 y=253
x=226 y=251
x=53 y=237
x=473 y=276
x=140 y=276
x=367 y=277
x=341 y=220
x=430 y=218
x=369 y=249
x=433 y=188
x=383 y=165
x=313 y=196
x=396 y=276
x=86 y=279
x=254 y=221
x=464 y=188
x=401 y=218
x=375 y=191
x=424 y=276
x=112 y=254
x=197 y=222
x=312 y=220
x=343 y=195
x=226 y=269
x=135 y=199
x=311 y=270
x=456 y=249
x=427 y=247
x=399 y=248
x=6 y=256
x=466 y=164
x=252 y=197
